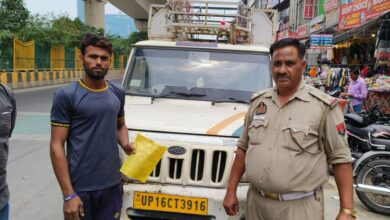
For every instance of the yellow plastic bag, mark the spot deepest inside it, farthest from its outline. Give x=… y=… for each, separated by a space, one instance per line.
x=140 y=165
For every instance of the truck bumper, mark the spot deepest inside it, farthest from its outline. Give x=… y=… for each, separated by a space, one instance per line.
x=215 y=209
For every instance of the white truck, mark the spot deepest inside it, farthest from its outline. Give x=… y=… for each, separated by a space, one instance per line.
x=191 y=96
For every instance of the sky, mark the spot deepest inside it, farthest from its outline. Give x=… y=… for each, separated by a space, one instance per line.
x=58 y=7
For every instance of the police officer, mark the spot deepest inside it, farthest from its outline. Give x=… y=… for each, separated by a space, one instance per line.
x=7 y=123
x=291 y=133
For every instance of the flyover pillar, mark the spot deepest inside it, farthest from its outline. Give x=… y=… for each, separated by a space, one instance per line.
x=94 y=12
x=141 y=24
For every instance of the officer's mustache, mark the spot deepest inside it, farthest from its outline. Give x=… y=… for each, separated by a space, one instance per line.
x=282 y=75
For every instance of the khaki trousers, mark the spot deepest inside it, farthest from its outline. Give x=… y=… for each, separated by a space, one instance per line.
x=262 y=208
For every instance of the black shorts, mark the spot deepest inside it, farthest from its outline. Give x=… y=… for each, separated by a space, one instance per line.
x=104 y=204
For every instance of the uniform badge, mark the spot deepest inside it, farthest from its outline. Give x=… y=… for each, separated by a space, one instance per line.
x=341 y=129
x=258 y=117
x=261 y=108
x=117 y=215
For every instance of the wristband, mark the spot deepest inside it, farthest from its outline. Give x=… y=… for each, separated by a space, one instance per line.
x=71 y=196
x=350 y=212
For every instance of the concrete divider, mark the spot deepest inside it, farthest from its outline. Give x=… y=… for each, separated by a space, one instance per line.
x=18 y=79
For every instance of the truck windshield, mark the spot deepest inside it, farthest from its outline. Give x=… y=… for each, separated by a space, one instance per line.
x=199 y=75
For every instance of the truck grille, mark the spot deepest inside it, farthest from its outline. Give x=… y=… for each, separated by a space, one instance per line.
x=175 y=168
x=202 y=166
x=218 y=168
x=156 y=171
x=197 y=164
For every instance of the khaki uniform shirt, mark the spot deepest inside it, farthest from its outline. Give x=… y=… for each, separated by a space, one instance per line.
x=282 y=143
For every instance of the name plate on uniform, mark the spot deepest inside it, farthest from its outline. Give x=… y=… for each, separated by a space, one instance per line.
x=170 y=203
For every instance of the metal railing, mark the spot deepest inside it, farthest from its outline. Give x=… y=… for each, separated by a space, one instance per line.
x=17 y=79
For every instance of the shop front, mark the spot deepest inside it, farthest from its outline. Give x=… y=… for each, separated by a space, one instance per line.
x=363 y=41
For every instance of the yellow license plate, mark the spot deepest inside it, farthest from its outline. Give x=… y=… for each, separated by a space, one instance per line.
x=170 y=203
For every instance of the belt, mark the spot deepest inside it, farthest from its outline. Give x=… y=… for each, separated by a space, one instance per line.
x=286 y=196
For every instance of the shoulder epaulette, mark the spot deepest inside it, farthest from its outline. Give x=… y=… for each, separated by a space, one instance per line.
x=327 y=99
x=258 y=94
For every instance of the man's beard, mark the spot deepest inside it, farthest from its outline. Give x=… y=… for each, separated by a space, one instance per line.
x=95 y=75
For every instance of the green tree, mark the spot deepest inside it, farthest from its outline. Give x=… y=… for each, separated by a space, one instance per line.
x=13 y=15
x=124 y=45
x=55 y=31
x=137 y=36
x=72 y=31
x=37 y=28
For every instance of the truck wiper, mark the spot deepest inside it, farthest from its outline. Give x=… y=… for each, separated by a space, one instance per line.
x=137 y=94
x=230 y=99
x=176 y=94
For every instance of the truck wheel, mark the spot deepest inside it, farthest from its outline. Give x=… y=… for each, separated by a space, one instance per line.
x=375 y=173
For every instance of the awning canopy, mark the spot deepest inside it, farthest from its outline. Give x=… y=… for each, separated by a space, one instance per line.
x=350 y=33
x=342 y=45
x=373 y=23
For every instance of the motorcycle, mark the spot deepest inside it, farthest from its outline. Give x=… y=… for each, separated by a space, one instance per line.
x=360 y=125
x=369 y=140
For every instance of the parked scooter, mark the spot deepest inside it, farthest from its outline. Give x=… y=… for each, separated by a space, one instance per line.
x=359 y=125
x=369 y=140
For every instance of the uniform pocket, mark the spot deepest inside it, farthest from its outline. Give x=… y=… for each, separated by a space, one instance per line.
x=5 y=124
x=302 y=138
x=257 y=130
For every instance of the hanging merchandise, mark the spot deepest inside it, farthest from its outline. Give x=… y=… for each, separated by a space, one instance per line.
x=312 y=71
x=342 y=78
x=330 y=79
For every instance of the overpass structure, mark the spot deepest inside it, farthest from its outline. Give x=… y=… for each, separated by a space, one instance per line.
x=137 y=9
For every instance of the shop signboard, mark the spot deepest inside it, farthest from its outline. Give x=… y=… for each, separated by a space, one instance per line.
x=331 y=18
x=316 y=28
x=330 y=5
x=282 y=34
x=285 y=34
x=317 y=20
x=358 y=12
x=321 y=41
x=320 y=7
x=302 y=31
x=378 y=7
x=317 y=24
x=353 y=14
x=308 y=9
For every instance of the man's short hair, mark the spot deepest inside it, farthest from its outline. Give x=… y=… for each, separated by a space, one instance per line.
x=96 y=41
x=356 y=72
x=289 y=42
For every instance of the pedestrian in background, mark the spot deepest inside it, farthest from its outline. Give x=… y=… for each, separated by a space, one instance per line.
x=7 y=124
x=89 y=116
x=357 y=90
x=291 y=133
